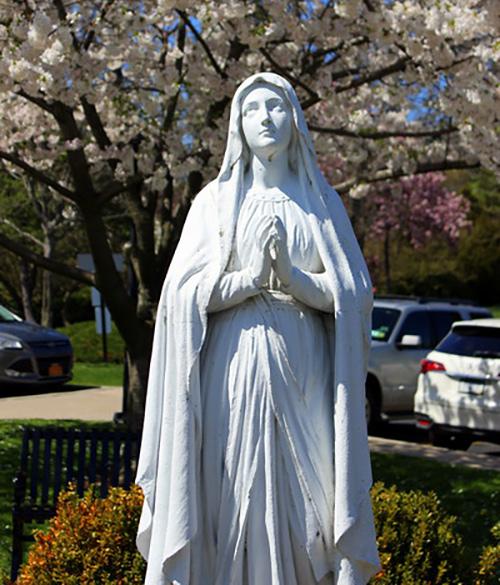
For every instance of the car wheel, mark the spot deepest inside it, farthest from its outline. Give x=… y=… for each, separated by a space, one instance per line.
x=372 y=410
x=450 y=441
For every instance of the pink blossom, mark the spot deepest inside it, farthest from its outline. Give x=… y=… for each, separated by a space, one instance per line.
x=418 y=208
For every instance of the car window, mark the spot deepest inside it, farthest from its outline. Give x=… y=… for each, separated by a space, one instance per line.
x=6 y=316
x=383 y=322
x=472 y=341
x=441 y=323
x=417 y=323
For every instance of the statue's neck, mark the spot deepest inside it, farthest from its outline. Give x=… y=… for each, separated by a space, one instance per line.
x=265 y=174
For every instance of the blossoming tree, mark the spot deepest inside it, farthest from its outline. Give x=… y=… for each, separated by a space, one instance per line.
x=132 y=98
x=416 y=209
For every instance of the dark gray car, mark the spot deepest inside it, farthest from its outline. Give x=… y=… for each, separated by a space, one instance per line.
x=31 y=354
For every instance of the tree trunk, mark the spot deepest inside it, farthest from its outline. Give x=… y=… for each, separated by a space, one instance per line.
x=387 y=261
x=26 y=274
x=47 y=314
x=138 y=370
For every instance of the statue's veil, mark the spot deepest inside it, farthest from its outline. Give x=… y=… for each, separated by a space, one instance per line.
x=236 y=157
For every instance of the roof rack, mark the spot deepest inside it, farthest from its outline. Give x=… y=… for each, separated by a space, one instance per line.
x=423 y=300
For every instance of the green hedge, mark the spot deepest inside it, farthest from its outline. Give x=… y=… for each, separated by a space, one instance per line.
x=488 y=570
x=87 y=345
x=417 y=540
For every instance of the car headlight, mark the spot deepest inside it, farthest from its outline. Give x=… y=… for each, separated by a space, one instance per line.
x=10 y=343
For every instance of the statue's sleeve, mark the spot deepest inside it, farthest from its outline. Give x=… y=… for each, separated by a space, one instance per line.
x=231 y=289
x=311 y=288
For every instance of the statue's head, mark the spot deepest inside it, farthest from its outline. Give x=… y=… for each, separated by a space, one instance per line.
x=266 y=118
x=266 y=122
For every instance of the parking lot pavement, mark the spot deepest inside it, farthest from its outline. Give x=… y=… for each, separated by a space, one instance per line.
x=471 y=458
x=98 y=404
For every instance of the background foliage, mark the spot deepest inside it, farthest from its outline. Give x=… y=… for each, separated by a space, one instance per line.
x=89 y=541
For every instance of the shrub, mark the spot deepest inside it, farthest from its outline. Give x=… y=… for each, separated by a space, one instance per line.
x=416 y=539
x=488 y=572
x=90 y=541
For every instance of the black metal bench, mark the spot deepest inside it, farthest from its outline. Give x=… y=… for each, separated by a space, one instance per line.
x=53 y=457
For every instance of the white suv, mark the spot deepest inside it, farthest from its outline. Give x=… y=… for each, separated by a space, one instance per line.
x=458 y=396
x=404 y=330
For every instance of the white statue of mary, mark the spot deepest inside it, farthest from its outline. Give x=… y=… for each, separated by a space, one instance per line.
x=254 y=459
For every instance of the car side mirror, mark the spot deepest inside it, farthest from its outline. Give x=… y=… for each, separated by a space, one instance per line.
x=410 y=342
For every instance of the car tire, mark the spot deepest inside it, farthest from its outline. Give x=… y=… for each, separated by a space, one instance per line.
x=372 y=410
x=441 y=438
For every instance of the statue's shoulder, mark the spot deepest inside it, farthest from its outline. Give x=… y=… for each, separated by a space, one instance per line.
x=207 y=194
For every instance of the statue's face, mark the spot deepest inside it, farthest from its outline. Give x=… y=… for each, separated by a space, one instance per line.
x=266 y=121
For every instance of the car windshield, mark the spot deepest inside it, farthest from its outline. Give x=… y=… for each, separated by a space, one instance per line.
x=6 y=316
x=383 y=322
x=472 y=341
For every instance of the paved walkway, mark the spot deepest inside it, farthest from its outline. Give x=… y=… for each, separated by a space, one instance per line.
x=100 y=404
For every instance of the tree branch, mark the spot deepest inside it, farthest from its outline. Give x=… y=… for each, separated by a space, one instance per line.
x=38 y=175
x=202 y=42
x=77 y=159
x=95 y=123
x=21 y=232
x=38 y=101
x=115 y=189
x=378 y=134
x=422 y=168
x=399 y=65
x=49 y=264
x=173 y=101
x=294 y=80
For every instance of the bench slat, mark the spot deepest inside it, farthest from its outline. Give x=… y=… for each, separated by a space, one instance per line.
x=127 y=456
x=80 y=480
x=46 y=469
x=35 y=456
x=93 y=461
x=104 y=466
x=115 y=473
x=58 y=465
x=70 y=454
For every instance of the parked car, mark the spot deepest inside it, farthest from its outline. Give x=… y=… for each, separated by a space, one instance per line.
x=458 y=395
x=404 y=330
x=31 y=354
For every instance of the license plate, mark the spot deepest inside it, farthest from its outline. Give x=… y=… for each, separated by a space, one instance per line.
x=55 y=370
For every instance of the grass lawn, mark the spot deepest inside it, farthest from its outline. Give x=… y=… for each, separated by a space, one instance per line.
x=471 y=495
x=87 y=374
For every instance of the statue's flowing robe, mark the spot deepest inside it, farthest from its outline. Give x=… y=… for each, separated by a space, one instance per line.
x=169 y=463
